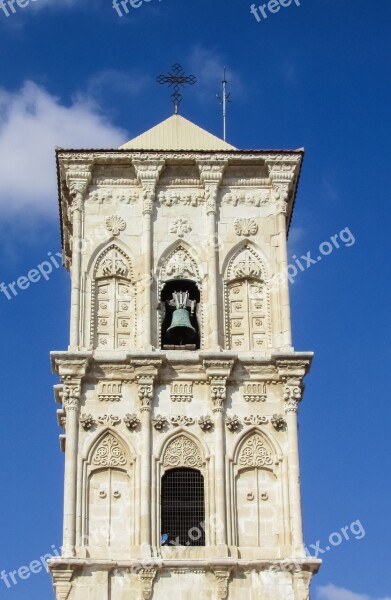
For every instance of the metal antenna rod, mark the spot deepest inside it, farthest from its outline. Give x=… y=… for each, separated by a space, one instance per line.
x=225 y=98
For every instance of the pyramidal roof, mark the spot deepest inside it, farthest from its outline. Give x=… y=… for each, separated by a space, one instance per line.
x=177 y=133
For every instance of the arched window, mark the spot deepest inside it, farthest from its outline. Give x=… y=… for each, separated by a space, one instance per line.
x=183 y=508
x=114 y=301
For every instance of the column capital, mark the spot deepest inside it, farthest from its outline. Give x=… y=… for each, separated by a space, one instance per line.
x=222 y=577
x=146 y=372
x=78 y=181
x=70 y=367
x=148 y=173
x=217 y=372
x=211 y=173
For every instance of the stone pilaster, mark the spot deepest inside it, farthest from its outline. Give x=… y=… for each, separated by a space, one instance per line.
x=146 y=371
x=218 y=373
x=71 y=373
x=78 y=181
x=291 y=374
x=211 y=176
x=148 y=173
x=282 y=176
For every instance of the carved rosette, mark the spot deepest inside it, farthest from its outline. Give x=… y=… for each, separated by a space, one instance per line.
x=147 y=577
x=159 y=422
x=131 y=421
x=232 y=422
x=278 y=422
x=87 y=421
x=180 y=227
x=206 y=423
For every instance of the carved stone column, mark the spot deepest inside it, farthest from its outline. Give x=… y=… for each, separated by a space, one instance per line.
x=148 y=173
x=211 y=176
x=71 y=373
x=146 y=372
x=218 y=373
x=78 y=184
x=282 y=176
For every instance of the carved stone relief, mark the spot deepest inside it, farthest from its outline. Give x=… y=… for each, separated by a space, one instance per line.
x=109 y=453
x=182 y=452
x=254 y=453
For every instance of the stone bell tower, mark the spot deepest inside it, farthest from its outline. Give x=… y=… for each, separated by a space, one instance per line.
x=180 y=387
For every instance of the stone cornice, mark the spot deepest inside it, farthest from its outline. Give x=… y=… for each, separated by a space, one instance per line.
x=305 y=564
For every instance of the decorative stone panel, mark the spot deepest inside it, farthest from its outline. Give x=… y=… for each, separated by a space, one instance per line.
x=110 y=391
x=181 y=391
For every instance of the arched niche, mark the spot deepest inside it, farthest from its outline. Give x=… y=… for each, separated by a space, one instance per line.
x=246 y=301
x=257 y=493
x=113 y=304
x=109 y=504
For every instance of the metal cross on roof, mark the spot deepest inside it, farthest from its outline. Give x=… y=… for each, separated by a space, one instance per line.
x=177 y=79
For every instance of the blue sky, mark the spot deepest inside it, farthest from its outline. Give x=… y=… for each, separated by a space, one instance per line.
x=75 y=74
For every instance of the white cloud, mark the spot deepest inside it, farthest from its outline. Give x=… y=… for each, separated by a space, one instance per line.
x=333 y=592
x=32 y=124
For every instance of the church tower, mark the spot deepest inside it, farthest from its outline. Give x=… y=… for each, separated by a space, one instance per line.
x=180 y=387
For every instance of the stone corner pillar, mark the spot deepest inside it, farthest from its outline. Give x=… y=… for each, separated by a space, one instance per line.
x=71 y=373
x=78 y=182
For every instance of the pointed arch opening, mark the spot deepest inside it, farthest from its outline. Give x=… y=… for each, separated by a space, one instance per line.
x=179 y=291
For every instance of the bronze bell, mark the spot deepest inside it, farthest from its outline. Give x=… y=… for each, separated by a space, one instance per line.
x=181 y=330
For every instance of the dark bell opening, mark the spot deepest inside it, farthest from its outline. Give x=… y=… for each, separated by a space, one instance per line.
x=180 y=327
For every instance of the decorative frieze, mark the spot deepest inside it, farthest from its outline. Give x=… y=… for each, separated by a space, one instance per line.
x=255 y=391
x=181 y=391
x=110 y=391
x=113 y=196
x=181 y=197
x=237 y=197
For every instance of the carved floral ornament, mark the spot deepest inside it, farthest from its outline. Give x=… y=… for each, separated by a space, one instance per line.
x=182 y=452
x=292 y=396
x=180 y=227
